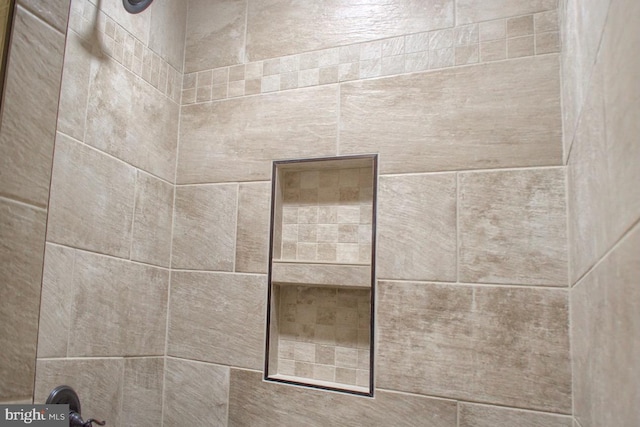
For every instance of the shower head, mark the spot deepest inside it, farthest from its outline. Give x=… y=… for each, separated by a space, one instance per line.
x=136 y=6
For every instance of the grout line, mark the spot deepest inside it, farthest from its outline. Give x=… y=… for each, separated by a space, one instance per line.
x=24 y=204
x=458 y=203
x=244 y=42
x=235 y=229
x=72 y=300
x=338 y=114
x=489 y=285
x=89 y=251
x=133 y=216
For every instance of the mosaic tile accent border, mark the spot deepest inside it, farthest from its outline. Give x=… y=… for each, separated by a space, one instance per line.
x=324 y=334
x=529 y=35
x=123 y=47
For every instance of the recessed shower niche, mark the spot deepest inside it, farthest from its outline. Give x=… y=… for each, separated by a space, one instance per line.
x=321 y=273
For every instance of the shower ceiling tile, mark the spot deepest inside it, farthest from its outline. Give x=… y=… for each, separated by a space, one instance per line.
x=236 y=139
x=282 y=27
x=468 y=11
x=492 y=115
x=218 y=317
x=513 y=227
x=502 y=345
x=204 y=228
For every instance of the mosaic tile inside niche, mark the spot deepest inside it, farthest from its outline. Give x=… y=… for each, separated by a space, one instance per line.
x=324 y=334
x=327 y=215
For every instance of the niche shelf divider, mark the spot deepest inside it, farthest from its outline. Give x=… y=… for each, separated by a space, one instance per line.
x=322 y=273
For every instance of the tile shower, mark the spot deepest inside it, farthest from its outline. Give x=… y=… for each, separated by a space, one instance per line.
x=163 y=216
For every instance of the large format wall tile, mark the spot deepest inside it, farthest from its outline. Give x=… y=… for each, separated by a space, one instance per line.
x=252 y=244
x=513 y=227
x=130 y=119
x=417 y=227
x=218 y=317
x=54 y=13
x=492 y=416
x=253 y=402
x=22 y=231
x=605 y=337
x=152 y=221
x=282 y=27
x=502 y=345
x=119 y=308
x=236 y=140
x=92 y=196
x=204 y=227
x=29 y=114
x=136 y=24
x=168 y=30
x=485 y=116
x=195 y=394
x=215 y=34
x=142 y=391
x=98 y=383
x=56 y=301
x=468 y=11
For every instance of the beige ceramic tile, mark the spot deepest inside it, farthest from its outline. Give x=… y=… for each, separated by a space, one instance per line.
x=322 y=274
x=168 y=31
x=508 y=346
x=195 y=393
x=282 y=27
x=462 y=126
x=472 y=415
x=218 y=317
x=152 y=221
x=513 y=227
x=92 y=196
x=252 y=245
x=119 y=307
x=131 y=120
x=520 y=46
x=98 y=383
x=468 y=11
x=55 y=307
x=417 y=227
x=136 y=24
x=142 y=391
x=604 y=335
x=204 y=227
x=54 y=13
x=30 y=95
x=547 y=42
x=236 y=140
x=215 y=34
x=22 y=231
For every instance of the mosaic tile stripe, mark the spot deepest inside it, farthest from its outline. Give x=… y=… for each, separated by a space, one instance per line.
x=496 y=40
x=124 y=48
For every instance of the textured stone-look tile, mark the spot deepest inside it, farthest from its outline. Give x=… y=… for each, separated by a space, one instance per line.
x=98 y=382
x=54 y=13
x=501 y=345
x=282 y=27
x=152 y=220
x=142 y=391
x=484 y=10
x=74 y=92
x=204 y=227
x=28 y=124
x=168 y=31
x=252 y=243
x=489 y=115
x=322 y=274
x=491 y=416
x=605 y=338
x=215 y=34
x=236 y=140
x=218 y=318
x=417 y=227
x=513 y=227
x=195 y=394
x=253 y=402
x=91 y=204
x=119 y=308
x=136 y=24
x=22 y=231
x=130 y=119
x=55 y=306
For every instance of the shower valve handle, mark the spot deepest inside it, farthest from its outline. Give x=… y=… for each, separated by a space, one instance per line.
x=90 y=422
x=76 y=420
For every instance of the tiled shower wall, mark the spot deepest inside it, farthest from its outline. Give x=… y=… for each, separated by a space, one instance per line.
x=461 y=99
x=601 y=95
